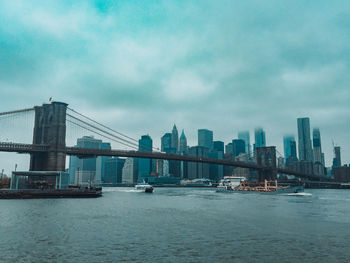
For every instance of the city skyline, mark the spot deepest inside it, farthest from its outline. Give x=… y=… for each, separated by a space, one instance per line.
x=202 y=65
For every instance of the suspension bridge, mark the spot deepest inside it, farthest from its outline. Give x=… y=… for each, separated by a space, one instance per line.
x=48 y=148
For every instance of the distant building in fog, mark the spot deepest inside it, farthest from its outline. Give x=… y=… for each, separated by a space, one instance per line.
x=244 y=135
x=304 y=140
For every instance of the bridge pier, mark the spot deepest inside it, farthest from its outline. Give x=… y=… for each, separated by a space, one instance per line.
x=50 y=130
x=266 y=156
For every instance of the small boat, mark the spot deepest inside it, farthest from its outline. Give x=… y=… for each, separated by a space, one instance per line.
x=144 y=187
x=268 y=187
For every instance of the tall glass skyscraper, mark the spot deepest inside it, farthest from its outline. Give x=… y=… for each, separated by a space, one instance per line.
x=287 y=145
x=166 y=142
x=244 y=135
x=205 y=138
x=238 y=147
x=183 y=143
x=145 y=165
x=304 y=140
x=260 y=138
x=175 y=138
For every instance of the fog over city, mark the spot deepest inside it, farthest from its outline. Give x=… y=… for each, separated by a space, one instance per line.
x=142 y=66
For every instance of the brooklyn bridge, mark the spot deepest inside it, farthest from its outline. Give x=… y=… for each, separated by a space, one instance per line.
x=48 y=149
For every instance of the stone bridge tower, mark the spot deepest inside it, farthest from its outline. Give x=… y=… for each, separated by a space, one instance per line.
x=50 y=130
x=266 y=156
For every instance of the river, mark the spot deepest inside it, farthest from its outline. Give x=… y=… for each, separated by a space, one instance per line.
x=178 y=225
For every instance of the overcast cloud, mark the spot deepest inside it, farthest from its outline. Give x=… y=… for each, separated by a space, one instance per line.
x=141 y=66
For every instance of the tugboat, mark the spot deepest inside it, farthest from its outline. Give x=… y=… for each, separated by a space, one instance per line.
x=144 y=187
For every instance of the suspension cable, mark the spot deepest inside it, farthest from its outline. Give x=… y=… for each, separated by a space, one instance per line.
x=15 y=111
x=104 y=126
x=101 y=130
x=115 y=140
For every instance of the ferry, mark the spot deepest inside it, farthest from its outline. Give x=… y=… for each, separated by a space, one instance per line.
x=237 y=184
x=144 y=187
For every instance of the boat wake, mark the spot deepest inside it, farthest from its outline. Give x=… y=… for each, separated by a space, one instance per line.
x=298 y=194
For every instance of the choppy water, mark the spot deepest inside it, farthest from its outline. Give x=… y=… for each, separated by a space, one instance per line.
x=178 y=225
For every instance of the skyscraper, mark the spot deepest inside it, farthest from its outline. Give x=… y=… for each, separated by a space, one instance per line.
x=129 y=172
x=198 y=170
x=238 y=147
x=318 y=156
x=244 y=135
x=175 y=139
x=205 y=138
x=166 y=142
x=260 y=138
x=145 y=165
x=337 y=157
x=304 y=140
x=183 y=143
x=85 y=165
x=287 y=145
x=219 y=146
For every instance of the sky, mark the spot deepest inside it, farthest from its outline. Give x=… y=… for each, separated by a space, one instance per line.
x=141 y=66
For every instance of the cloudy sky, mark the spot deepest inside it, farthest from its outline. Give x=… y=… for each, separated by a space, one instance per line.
x=141 y=66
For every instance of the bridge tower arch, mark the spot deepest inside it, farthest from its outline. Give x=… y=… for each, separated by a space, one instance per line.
x=266 y=156
x=50 y=130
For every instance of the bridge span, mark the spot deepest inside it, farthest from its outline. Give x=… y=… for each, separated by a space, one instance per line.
x=48 y=151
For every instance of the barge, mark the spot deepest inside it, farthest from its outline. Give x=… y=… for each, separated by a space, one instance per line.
x=50 y=193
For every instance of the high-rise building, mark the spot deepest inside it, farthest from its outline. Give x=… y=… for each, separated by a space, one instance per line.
x=84 y=165
x=304 y=140
x=260 y=138
x=166 y=142
x=113 y=170
x=175 y=139
x=229 y=148
x=238 y=147
x=205 y=138
x=219 y=146
x=244 y=135
x=129 y=172
x=183 y=143
x=288 y=146
x=100 y=163
x=198 y=170
x=337 y=157
x=318 y=156
x=145 y=165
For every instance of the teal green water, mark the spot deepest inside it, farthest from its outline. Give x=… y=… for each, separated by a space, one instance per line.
x=178 y=225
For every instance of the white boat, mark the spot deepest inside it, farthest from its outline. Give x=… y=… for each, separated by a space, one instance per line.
x=144 y=187
x=229 y=183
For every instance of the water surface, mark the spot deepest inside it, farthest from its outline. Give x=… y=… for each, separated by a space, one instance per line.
x=178 y=225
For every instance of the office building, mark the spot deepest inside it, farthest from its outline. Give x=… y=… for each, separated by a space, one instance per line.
x=219 y=146
x=129 y=171
x=84 y=166
x=205 y=138
x=183 y=143
x=166 y=142
x=260 y=138
x=304 y=140
x=337 y=157
x=287 y=146
x=238 y=147
x=318 y=155
x=113 y=170
x=145 y=165
x=198 y=170
x=175 y=138
x=245 y=136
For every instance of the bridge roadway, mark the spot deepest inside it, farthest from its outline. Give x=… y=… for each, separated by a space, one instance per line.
x=86 y=153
